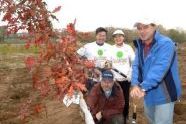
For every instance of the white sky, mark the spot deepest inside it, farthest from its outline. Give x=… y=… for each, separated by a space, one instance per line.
x=91 y=14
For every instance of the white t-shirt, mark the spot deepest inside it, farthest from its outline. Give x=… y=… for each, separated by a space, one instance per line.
x=122 y=58
x=93 y=51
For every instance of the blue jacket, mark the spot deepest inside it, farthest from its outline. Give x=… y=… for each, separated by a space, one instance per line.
x=157 y=73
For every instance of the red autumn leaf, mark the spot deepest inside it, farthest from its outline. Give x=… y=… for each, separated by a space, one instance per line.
x=71 y=91
x=61 y=80
x=44 y=88
x=89 y=64
x=38 y=41
x=71 y=28
x=81 y=86
x=27 y=45
x=38 y=1
x=56 y=9
x=7 y=16
x=30 y=62
x=38 y=108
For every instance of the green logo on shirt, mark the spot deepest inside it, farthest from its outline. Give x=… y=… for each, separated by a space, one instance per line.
x=100 y=52
x=119 y=54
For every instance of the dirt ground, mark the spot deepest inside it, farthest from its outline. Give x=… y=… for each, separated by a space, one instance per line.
x=16 y=86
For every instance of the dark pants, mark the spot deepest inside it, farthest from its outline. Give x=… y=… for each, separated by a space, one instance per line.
x=116 y=119
x=125 y=85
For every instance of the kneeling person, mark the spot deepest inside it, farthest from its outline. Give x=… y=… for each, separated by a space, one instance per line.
x=106 y=101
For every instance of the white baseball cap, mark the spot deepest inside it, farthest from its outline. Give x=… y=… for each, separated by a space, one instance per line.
x=118 y=32
x=145 y=21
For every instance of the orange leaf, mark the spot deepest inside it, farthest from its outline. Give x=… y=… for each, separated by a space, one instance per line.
x=38 y=108
x=7 y=16
x=81 y=86
x=27 y=45
x=30 y=62
x=71 y=28
x=89 y=64
x=61 y=80
x=71 y=91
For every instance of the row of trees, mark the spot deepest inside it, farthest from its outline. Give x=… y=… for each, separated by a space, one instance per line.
x=2 y=33
x=176 y=34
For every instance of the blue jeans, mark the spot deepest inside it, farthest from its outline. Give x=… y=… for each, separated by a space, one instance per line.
x=160 y=114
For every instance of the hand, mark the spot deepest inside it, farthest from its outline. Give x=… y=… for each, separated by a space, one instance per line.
x=142 y=94
x=99 y=116
x=137 y=92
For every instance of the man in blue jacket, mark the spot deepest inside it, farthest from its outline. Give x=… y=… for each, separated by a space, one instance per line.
x=155 y=74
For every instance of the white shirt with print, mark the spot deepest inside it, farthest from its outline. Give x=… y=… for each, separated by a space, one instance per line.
x=98 y=53
x=122 y=58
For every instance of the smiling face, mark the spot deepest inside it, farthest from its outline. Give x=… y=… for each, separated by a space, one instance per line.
x=119 y=39
x=146 y=32
x=101 y=37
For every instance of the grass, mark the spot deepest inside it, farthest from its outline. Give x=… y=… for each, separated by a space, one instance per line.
x=7 y=49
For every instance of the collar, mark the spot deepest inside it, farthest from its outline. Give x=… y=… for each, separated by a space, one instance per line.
x=119 y=46
x=99 y=44
x=156 y=35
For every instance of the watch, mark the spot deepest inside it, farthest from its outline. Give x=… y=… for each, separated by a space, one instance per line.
x=143 y=90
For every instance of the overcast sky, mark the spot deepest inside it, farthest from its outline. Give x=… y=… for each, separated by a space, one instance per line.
x=91 y=14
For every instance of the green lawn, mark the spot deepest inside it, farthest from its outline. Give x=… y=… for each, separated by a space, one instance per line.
x=16 y=48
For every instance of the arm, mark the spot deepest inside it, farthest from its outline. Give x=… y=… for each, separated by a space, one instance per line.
x=131 y=59
x=135 y=70
x=160 y=66
x=82 y=51
x=132 y=54
x=92 y=102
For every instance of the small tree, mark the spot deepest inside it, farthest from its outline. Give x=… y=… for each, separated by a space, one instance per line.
x=57 y=70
